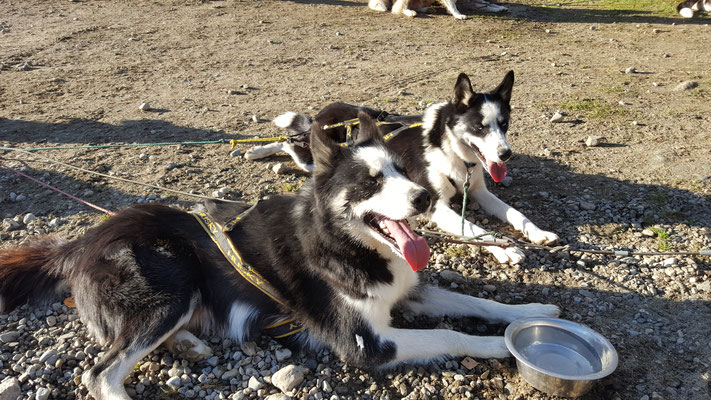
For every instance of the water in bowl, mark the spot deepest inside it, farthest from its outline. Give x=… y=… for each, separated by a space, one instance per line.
x=558 y=359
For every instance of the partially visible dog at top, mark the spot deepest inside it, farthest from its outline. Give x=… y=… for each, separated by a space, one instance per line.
x=453 y=137
x=339 y=256
x=687 y=8
x=410 y=8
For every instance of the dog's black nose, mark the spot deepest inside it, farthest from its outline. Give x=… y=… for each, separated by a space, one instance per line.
x=420 y=200
x=505 y=155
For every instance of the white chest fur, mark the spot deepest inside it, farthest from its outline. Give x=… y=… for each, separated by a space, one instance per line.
x=382 y=297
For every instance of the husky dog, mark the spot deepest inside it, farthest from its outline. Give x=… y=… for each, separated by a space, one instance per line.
x=687 y=8
x=340 y=254
x=466 y=133
x=410 y=8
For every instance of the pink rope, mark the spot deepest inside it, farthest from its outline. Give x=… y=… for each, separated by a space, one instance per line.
x=108 y=212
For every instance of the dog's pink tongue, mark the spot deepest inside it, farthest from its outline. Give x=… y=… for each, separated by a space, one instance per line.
x=496 y=170
x=412 y=246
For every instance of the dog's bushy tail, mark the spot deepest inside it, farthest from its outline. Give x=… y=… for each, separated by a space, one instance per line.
x=30 y=274
x=293 y=122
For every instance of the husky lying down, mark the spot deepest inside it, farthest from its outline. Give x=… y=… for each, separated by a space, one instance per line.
x=466 y=133
x=340 y=254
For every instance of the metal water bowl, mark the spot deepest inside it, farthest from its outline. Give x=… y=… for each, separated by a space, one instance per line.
x=559 y=357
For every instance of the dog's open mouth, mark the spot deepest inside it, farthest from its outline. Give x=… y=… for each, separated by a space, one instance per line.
x=497 y=170
x=413 y=247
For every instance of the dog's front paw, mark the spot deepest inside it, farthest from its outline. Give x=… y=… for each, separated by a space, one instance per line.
x=532 y=310
x=377 y=5
x=539 y=236
x=409 y=13
x=459 y=16
x=510 y=255
x=185 y=345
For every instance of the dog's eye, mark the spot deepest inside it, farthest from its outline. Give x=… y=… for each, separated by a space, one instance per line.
x=371 y=182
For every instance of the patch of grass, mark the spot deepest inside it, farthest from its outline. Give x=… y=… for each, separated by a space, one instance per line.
x=290 y=188
x=593 y=108
x=659 y=197
x=458 y=251
x=663 y=239
x=642 y=8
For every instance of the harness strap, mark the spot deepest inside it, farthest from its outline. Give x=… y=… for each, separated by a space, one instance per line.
x=224 y=243
x=351 y=122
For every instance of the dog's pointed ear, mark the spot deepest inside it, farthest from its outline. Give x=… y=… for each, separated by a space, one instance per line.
x=367 y=129
x=463 y=91
x=323 y=149
x=505 y=87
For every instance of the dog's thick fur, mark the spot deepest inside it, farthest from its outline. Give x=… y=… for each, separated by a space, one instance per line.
x=687 y=8
x=468 y=130
x=410 y=8
x=151 y=272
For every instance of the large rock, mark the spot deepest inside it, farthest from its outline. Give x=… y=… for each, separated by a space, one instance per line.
x=10 y=389
x=288 y=378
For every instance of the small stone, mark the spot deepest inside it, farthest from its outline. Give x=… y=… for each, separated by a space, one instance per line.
x=670 y=262
x=593 y=141
x=548 y=31
x=326 y=387
x=254 y=384
x=255 y=118
x=51 y=320
x=174 y=382
x=233 y=373
x=630 y=70
x=145 y=107
x=236 y=153
x=20 y=197
x=507 y=181
x=593 y=27
x=143 y=156
x=249 y=348
x=10 y=224
x=648 y=232
x=655 y=84
x=585 y=205
x=490 y=288
x=686 y=85
x=49 y=356
x=9 y=337
x=213 y=361
x=634 y=123
x=288 y=378
x=282 y=354
x=557 y=117
x=29 y=217
x=42 y=394
x=452 y=276
x=88 y=192
x=10 y=389
x=655 y=31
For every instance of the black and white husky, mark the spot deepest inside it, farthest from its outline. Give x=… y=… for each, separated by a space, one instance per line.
x=340 y=254
x=468 y=132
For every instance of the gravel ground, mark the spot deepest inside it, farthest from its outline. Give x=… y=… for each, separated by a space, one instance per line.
x=610 y=126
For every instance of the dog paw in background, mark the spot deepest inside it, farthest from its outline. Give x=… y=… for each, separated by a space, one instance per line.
x=687 y=8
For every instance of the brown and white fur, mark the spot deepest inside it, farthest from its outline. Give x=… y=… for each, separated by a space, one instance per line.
x=410 y=8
